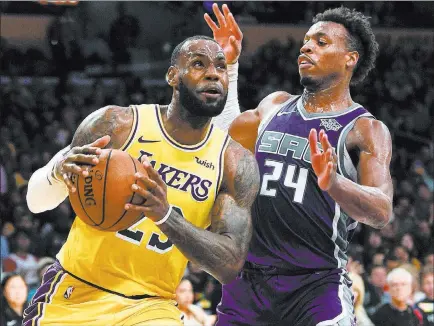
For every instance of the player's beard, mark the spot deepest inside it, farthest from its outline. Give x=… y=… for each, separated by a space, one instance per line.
x=310 y=83
x=197 y=107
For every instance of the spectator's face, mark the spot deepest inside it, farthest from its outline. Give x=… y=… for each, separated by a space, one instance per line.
x=406 y=187
x=184 y=294
x=378 y=277
x=326 y=58
x=400 y=288
x=201 y=78
x=402 y=254
x=424 y=229
x=374 y=240
x=378 y=259
x=15 y=290
x=428 y=285
x=407 y=242
x=23 y=242
x=424 y=192
x=25 y=222
x=429 y=260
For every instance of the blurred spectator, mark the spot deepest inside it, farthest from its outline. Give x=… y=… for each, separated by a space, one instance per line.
x=13 y=299
x=57 y=232
x=123 y=34
x=21 y=261
x=193 y=315
x=63 y=41
x=358 y=289
x=398 y=312
x=427 y=304
x=375 y=295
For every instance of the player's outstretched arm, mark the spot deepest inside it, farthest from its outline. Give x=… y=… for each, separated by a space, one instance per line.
x=370 y=201
x=107 y=127
x=228 y=34
x=221 y=251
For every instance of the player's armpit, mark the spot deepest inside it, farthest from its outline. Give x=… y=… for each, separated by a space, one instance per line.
x=111 y=120
x=244 y=129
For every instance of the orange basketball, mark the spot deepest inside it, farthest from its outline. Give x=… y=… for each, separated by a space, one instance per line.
x=100 y=198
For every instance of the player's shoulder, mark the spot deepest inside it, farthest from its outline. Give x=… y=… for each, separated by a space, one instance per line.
x=370 y=124
x=271 y=102
x=368 y=132
x=241 y=172
x=268 y=104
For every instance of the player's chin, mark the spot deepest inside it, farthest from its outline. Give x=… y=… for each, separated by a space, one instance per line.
x=213 y=109
x=307 y=80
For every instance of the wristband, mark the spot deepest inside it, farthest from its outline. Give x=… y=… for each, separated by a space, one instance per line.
x=164 y=219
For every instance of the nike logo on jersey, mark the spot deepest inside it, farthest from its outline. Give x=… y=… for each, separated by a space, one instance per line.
x=283 y=113
x=146 y=141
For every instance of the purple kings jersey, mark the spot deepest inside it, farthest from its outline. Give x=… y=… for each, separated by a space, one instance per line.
x=297 y=226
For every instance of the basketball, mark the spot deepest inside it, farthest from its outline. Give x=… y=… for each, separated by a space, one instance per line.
x=100 y=198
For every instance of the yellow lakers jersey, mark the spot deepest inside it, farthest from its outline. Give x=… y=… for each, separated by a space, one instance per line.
x=141 y=260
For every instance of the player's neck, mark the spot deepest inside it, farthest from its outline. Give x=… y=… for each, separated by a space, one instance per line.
x=186 y=130
x=332 y=99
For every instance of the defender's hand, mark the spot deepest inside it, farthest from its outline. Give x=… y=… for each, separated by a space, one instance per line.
x=79 y=160
x=154 y=192
x=227 y=33
x=324 y=163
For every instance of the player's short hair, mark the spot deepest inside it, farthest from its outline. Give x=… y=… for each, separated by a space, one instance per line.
x=361 y=38
x=177 y=49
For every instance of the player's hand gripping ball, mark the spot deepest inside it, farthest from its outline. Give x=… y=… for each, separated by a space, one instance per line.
x=100 y=197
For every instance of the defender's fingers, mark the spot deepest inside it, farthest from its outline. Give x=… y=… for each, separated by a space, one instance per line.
x=220 y=18
x=210 y=23
x=313 y=142
x=234 y=27
x=324 y=140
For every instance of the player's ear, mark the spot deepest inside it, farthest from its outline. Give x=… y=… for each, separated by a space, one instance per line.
x=172 y=76
x=352 y=58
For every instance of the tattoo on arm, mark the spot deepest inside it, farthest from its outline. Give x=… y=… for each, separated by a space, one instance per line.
x=222 y=251
x=114 y=121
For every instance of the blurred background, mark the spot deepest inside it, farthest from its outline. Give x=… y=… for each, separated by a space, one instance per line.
x=62 y=60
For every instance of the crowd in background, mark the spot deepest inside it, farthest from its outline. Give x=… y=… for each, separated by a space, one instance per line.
x=39 y=118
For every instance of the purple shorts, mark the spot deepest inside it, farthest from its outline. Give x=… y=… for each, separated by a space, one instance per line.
x=264 y=296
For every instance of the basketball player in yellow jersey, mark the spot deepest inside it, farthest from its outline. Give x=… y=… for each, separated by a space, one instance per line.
x=197 y=177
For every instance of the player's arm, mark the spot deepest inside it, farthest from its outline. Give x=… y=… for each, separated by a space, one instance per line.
x=228 y=34
x=370 y=200
x=48 y=186
x=222 y=251
x=244 y=129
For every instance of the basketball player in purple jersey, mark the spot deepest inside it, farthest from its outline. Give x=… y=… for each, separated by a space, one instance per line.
x=315 y=188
